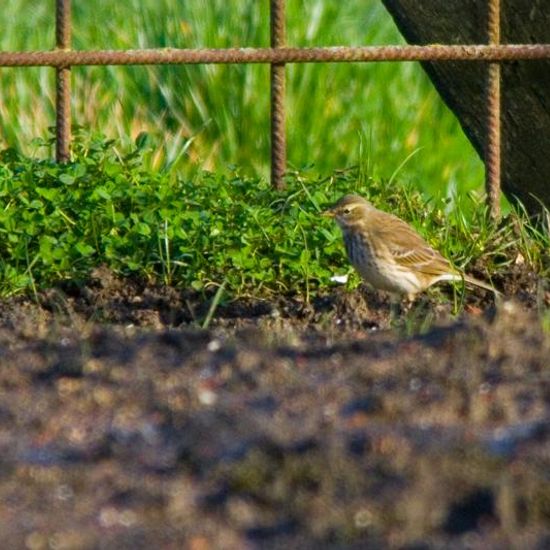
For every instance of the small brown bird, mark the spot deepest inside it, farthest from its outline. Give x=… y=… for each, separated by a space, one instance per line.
x=388 y=253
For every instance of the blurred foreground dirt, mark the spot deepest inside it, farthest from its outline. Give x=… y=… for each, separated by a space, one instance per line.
x=282 y=425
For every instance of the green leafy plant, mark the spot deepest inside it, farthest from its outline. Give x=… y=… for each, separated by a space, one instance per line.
x=109 y=207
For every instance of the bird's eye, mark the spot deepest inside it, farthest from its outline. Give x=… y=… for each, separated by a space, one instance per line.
x=346 y=211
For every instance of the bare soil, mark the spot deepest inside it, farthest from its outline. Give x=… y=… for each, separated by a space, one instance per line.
x=123 y=424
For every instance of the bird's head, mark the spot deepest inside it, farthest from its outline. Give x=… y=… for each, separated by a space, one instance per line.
x=349 y=210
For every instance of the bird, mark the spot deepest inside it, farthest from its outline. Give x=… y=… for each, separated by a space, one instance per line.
x=388 y=253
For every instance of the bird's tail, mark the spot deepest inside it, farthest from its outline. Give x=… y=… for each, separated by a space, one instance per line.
x=481 y=284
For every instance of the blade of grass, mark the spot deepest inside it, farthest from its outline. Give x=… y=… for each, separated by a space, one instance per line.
x=213 y=305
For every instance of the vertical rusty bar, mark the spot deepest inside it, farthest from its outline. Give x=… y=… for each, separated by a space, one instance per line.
x=63 y=82
x=492 y=152
x=278 y=123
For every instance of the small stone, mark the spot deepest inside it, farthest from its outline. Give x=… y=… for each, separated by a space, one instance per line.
x=207 y=397
x=214 y=345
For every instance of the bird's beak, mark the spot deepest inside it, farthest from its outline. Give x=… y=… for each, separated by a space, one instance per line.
x=328 y=213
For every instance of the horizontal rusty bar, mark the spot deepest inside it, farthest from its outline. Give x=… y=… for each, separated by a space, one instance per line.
x=59 y=58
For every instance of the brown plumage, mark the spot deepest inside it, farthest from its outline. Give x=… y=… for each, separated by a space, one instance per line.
x=388 y=253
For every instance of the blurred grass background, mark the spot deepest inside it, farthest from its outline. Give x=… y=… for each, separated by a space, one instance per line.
x=213 y=117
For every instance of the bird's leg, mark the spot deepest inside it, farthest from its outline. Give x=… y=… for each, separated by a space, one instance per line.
x=408 y=302
x=401 y=306
x=397 y=307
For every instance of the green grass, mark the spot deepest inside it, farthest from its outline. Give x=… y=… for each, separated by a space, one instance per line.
x=216 y=117
x=111 y=207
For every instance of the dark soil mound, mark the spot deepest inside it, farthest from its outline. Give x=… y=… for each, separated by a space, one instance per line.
x=285 y=424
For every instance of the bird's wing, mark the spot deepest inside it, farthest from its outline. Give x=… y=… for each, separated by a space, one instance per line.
x=410 y=250
x=424 y=260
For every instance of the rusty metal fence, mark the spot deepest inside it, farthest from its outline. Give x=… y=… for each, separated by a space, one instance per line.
x=63 y=58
